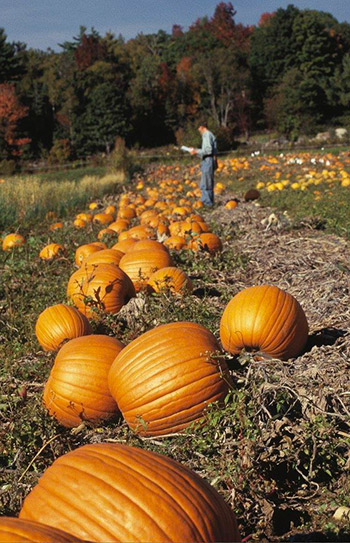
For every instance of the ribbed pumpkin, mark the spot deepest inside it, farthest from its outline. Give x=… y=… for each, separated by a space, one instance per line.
x=119 y=225
x=77 y=388
x=169 y=278
x=175 y=242
x=100 y=286
x=139 y=265
x=207 y=242
x=126 y=213
x=113 y=492
x=103 y=218
x=264 y=319
x=58 y=323
x=12 y=240
x=106 y=256
x=51 y=251
x=84 y=251
x=106 y=233
x=164 y=379
x=140 y=231
x=14 y=530
x=149 y=244
x=124 y=246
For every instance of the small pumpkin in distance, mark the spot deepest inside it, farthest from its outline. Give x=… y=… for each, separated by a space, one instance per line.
x=105 y=256
x=12 y=240
x=169 y=278
x=83 y=251
x=90 y=489
x=51 y=250
x=59 y=323
x=207 y=242
x=139 y=265
x=77 y=388
x=264 y=319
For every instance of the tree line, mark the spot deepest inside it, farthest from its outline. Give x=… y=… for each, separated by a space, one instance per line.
x=290 y=73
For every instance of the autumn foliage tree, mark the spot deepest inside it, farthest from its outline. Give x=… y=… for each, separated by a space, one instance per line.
x=11 y=113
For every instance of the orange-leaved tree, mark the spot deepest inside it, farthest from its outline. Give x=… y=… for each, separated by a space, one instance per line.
x=11 y=112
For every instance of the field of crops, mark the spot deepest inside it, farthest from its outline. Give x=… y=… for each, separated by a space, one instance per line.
x=267 y=427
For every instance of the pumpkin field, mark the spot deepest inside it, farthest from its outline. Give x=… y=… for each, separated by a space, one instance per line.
x=172 y=372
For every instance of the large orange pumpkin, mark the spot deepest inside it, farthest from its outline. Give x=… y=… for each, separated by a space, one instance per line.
x=139 y=265
x=265 y=319
x=113 y=492
x=14 y=530
x=164 y=379
x=58 y=323
x=77 y=388
x=100 y=287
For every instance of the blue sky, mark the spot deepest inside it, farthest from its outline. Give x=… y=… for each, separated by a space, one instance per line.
x=45 y=23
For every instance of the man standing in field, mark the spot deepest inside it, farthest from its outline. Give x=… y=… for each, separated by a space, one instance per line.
x=208 y=154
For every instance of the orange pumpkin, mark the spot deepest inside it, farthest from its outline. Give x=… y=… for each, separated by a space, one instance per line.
x=207 y=242
x=103 y=218
x=113 y=492
x=51 y=251
x=99 y=287
x=124 y=246
x=139 y=265
x=231 y=204
x=120 y=225
x=77 y=389
x=12 y=240
x=15 y=530
x=55 y=226
x=175 y=242
x=106 y=256
x=264 y=319
x=169 y=278
x=164 y=379
x=149 y=244
x=84 y=251
x=58 y=323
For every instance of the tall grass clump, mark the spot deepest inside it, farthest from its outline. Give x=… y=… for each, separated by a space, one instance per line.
x=23 y=199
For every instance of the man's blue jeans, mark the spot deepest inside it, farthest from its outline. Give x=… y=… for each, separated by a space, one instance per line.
x=207 y=181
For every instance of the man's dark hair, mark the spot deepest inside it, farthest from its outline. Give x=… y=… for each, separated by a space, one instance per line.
x=203 y=122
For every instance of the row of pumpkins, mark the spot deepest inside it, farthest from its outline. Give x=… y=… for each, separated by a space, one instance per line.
x=161 y=382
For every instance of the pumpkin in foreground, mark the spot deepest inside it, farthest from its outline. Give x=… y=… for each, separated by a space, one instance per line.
x=113 y=492
x=58 y=323
x=165 y=379
x=264 y=319
x=14 y=530
x=77 y=388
